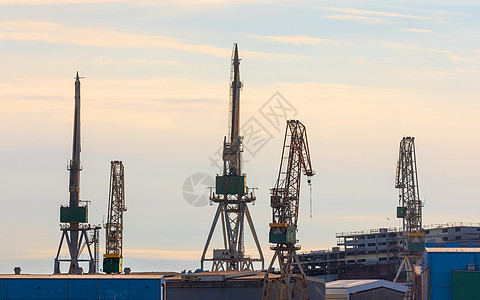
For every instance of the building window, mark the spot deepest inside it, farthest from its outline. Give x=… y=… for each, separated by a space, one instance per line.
x=444 y=230
x=382 y=259
x=352 y=261
x=382 y=235
x=458 y=237
x=371 y=236
x=371 y=244
x=393 y=234
x=427 y=231
x=457 y=229
x=361 y=245
x=382 y=243
x=445 y=238
x=362 y=260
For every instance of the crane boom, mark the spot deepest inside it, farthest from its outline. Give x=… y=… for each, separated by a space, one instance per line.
x=75 y=215
x=285 y=198
x=231 y=192
x=410 y=211
x=112 y=262
x=295 y=158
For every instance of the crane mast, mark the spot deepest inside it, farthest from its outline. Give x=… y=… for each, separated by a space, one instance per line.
x=410 y=211
x=113 y=258
x=285 y=202
x=74 y=216
x=232 y=194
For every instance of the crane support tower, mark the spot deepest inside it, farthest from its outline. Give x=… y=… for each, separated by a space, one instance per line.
x=410 y=211
x=232 y=194
x=74 y=217
x=113 y=258
x=285 y=203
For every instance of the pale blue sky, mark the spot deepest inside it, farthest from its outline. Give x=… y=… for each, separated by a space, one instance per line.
x=361 y=75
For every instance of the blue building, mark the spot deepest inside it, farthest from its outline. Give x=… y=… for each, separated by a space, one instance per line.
x=451 y=271
x=81 y=287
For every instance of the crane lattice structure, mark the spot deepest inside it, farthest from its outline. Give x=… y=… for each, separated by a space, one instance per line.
x=77 y=234
x=285 y=203
x=113 y=258
x=232 y=194
x=410 y=210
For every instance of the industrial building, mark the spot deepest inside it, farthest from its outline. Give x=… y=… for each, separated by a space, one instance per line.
x=81 y=287
x=373 y=254
x=451 y=271
x=230 y=285
x=373 y=289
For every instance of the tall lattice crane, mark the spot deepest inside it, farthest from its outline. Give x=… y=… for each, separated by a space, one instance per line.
x=232 y=194
x=285 y=203
x=113 y=258
x=410 y=211
x=76 y=233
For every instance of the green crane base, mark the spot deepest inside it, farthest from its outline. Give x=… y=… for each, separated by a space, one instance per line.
x=112 y=264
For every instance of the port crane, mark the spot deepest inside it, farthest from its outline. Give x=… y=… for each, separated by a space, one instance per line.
x=232 y=194
x=113 y=258
x=77 y=234
x=410 y=211
x=285 y=198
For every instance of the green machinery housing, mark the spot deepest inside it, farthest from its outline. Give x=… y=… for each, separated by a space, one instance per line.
x=281 y=233
x=74 y=214
x=230 y=185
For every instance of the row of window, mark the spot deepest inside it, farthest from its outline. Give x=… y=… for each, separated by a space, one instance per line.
x=394 y=234
x=363 y=260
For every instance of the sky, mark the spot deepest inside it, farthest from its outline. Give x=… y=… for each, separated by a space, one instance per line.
x=360 y=75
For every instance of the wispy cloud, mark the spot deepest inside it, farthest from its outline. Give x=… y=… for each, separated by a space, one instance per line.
x=106 y=60
x=163 y=254
x=417 y=30
x=449 y=54
x=353 y=218
x=184 y=3
x=368 y=20
x=296 y=39
x=137 y=253
x=368 y=16
x=56 y=33
x=354 y=11
x=32 y=31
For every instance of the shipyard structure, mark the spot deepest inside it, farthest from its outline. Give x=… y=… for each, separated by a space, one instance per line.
x=374 y=254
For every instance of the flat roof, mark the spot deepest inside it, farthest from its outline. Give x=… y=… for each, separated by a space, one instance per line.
x=354 y=286
x=85 y=276
x=448 y=249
